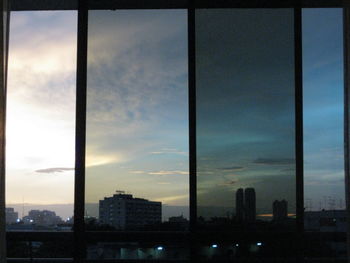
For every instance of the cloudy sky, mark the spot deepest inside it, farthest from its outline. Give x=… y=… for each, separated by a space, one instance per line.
x=245 y=100
x=245 y=114
x=137 y=130
x=41 y=108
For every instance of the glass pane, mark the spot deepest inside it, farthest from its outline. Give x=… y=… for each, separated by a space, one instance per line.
x=323 y=132
x=41 y=121
x=246 y=122
x=137 y=121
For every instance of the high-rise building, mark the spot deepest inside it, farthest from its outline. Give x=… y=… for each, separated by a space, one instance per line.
x=239 y=205
x=250 y=204
x=11 y=215
x=280 y=210
x=245 y=205
x=124 y=211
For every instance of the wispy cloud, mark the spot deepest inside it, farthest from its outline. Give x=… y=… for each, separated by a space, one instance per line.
x=169 y=173
x=231 y=175
x=172 y=198
x=161 y=172
x=169 y=151
x=54 y=170
x=138 y=172
x=274 y=161
x=228 y=183
x=232 y=168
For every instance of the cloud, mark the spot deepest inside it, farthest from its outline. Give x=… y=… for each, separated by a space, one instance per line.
x=324 y=181
x=232 y=168
x=177 y=172
x=54 y=170
x=228 y=183
x=274 y=161
x=169 y=151
x=97 y=160
x=172 y=198
x=288 y=169
x=162 y=172
x=232 y=175
x=138 y=172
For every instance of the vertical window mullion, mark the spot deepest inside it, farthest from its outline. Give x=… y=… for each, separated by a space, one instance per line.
x=299 y=148
x=80 y=141
x=299 y=119
x=192 y=126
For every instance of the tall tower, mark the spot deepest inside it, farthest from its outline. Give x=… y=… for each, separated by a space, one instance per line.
x=239 y=205
x=250 y=205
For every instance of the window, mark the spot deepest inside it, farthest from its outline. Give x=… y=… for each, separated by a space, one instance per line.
x=236 y=76
x=323 y=132
x=41 y=128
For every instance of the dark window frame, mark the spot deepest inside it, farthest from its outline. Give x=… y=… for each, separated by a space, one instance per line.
x=79 y=235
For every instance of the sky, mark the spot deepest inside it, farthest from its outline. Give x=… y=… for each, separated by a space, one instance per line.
x=245 y=107
x=41 y=108
x=137 y=124
x=137 y=111
x=323 y=108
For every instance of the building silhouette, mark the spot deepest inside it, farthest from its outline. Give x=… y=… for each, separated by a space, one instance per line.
x=43 y=218
x=250 y=204
x=124 y=211
x=246 y=205
x=11 y=215
x=240 y=205
x=280 y=210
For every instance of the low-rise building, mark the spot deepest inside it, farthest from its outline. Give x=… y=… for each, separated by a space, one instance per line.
x=11 y=215
x=325 y=221
x=44 y=218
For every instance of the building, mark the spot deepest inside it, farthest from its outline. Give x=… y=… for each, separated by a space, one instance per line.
x=177 y=219
x=280 y=210
x=245 y=205
x=43 y=218
x=239 y=205
x=325 y=221
x=124 y=211
x=11 y=215
x=250 y=204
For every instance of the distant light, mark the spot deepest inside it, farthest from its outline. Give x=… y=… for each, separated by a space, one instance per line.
x=214 y=246
x=160 y=248
x=237 y=245
x=31 y=220
x=259 y=244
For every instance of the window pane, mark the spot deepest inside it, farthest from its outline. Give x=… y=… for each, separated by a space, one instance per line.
x=137 y=120
x=323 y=132
x=245 y=121
x=40 y=122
